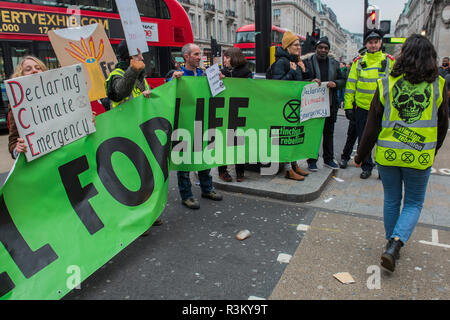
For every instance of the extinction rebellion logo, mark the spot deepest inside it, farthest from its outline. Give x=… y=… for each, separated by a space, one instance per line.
x=290 y=135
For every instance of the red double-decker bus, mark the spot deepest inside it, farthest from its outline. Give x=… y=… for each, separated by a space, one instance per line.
x=24 y=27
x=245 y=40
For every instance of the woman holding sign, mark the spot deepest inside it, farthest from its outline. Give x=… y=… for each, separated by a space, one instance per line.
x=28 y=66
x=288 y=66
x=408 y=120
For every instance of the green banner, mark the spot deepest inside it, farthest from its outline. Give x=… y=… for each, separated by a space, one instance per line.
x=66 y=214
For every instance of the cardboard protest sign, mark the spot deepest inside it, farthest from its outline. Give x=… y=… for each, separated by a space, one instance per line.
x=315 y=102
x=90 y=46
x=51 y=109
x=132 y=26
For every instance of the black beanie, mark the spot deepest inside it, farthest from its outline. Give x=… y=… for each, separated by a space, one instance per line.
x=324 y=40
x=122 y=51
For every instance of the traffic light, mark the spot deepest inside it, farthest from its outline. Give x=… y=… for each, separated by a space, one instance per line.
x=216 y=49
x=373 y=19
x=316 y=34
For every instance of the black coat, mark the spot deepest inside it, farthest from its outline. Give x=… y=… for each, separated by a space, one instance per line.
x=281 y=68
x=239 y=72
x=334 y=74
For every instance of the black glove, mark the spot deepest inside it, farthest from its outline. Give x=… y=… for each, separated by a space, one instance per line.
x=349 y=114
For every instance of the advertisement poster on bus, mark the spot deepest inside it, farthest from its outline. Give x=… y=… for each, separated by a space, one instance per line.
x=51 y=109
x=90 y=46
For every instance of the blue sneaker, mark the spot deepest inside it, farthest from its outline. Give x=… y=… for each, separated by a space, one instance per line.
x=313 y=167
x=331 y=164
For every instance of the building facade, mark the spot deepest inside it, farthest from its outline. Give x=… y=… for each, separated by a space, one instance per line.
x=218 y=19
x=295 y=15
x=430 y=18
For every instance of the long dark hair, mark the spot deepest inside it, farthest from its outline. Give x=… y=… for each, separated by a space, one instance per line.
x=237 y=58
x=417 y=61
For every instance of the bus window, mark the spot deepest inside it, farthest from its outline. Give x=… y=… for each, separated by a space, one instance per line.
x=17 y=52
x=153 y=9
x=245 y=37
x=151 y=60
x=99 y=5
x=47 y=55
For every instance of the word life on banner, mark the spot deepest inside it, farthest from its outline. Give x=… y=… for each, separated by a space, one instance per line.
x=315 y=102
x=51 y=109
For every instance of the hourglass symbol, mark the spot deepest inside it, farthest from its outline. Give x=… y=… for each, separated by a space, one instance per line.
x=90 y=59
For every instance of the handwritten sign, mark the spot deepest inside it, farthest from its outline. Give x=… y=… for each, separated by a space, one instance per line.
x=315 y=102
x=215 y=84
x=132 y=26
x=90 y=46
x=51 y=109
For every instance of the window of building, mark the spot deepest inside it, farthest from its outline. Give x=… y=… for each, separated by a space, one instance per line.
x=219 y=31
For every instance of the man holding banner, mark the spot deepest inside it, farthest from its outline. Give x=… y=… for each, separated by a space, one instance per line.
x=327 y=70
x=192 y=57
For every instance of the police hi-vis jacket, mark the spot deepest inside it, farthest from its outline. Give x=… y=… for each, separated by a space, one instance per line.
x=363 y=77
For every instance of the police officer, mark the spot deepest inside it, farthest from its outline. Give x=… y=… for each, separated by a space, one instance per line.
x=362 y=84
x=127 y=81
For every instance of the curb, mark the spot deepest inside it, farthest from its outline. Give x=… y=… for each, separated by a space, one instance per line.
x=286 y=196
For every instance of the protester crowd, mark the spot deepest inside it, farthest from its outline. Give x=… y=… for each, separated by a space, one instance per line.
x=374 y=91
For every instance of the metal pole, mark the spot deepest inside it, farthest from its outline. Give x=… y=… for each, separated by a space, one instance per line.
x=263 y=33
x=366 y=6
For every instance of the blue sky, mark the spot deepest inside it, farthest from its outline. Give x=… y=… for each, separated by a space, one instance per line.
x=350 y=12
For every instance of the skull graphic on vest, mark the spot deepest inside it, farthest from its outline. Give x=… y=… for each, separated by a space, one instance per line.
x=411 y=100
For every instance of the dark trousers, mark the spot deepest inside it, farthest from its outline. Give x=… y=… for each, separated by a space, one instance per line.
x=239 y=169
x=360 y=120
x=185 y=186
x=351 y=139
x=327 y=141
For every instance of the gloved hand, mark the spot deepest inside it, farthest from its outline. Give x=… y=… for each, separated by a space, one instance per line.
x=349 y=114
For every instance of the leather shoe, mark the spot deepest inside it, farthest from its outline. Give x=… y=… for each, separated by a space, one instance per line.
x=389 y=257
x=343 y=164
x=225 y=176
x=300 y=171
x=365 y=174
x=291 y=174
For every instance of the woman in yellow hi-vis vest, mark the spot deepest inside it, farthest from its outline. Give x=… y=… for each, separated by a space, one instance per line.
x=408 y=120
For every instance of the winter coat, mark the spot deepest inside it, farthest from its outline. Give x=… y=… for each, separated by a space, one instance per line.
x=281 y=68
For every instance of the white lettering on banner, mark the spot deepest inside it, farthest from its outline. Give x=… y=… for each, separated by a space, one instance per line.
x=51 y=109
x=315 y=102
x=151 y=31
x=215 y=84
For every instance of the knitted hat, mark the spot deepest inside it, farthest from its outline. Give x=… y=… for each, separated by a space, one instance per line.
x=288 y=39
x=324 y=40
x=122 y=51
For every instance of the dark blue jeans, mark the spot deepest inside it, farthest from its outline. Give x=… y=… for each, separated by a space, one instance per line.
x=414 y=183
x=185 y=186
x=360 y=122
